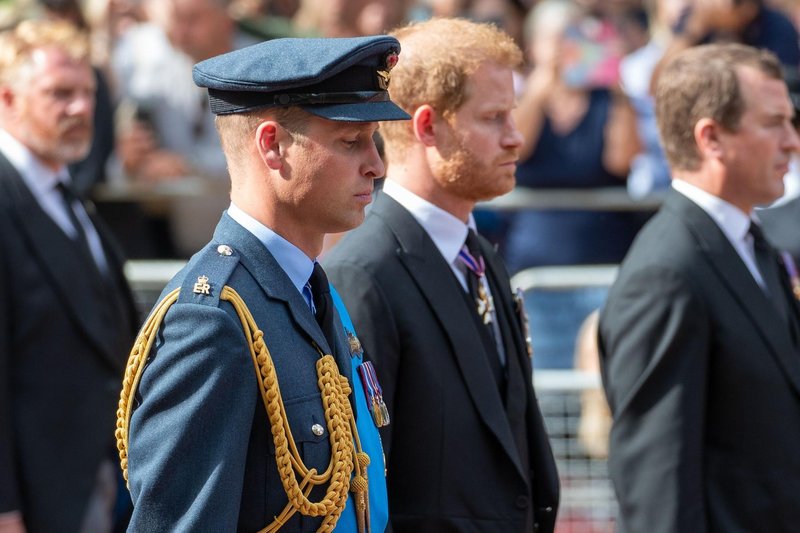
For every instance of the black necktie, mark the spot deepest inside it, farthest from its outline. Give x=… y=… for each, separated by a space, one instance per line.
x=69 y=198
x=323 y=303
x=481 y=302
x=768 y=267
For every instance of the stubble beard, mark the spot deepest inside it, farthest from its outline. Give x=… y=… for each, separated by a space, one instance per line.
x=63 y=151
x=467 y=176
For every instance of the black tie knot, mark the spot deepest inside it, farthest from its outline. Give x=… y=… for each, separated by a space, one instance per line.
x=472 y=243
x=319 y=284
x=759 y=241
x=67 y=192
x=323 y=303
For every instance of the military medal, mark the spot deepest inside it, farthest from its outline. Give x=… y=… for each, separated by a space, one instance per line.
x=791 y=269
x=519 y=303
x=373 y=394
x=485 y=304
x=483 y=301
x=354 y=345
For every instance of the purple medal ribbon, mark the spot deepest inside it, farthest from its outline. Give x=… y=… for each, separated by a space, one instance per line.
x=373 y=393
x=791 y=269
x=477 y=266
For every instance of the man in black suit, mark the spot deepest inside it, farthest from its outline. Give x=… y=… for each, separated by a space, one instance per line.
x=466 y=446
x=700 y=334
x=66 y=315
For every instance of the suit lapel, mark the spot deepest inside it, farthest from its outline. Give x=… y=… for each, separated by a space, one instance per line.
x=740 y=283
x=57 y=258
x=441 y=290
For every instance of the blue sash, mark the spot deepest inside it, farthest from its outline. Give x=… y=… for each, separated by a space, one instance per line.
x=370 y=444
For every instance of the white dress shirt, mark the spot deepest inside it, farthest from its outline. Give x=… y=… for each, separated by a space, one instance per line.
x=449 y=234
x=733 y=222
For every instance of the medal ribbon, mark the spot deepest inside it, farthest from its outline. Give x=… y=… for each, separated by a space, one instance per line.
x=374 y=393
x=477 y=266
x=791 y=269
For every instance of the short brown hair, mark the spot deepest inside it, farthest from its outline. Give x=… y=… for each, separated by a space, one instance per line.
x=702 y=82
x=237 y=129
x=18 y=44
x=438 y=56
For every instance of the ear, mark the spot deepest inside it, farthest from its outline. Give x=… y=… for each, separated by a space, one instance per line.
x=267 y=139
x=424 y=124
x=6 y=97
x=707 y=135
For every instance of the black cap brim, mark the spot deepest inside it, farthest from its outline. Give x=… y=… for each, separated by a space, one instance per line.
x=359 y=112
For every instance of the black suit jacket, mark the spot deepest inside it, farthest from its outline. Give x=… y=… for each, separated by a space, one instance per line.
x=703 y=378
x=65 y=333
x=460 y=456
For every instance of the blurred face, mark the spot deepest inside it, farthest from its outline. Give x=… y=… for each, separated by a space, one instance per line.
x=480 y=146
x=52 y=106
x=199 y=28
x=328 y=175
x=757 y=154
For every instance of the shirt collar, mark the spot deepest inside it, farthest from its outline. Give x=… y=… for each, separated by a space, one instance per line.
x=734 y=222
x=447 y=231
x=38 y=177
x=290 y=258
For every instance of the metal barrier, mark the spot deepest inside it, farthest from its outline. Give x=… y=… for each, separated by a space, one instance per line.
x=558 y=300
x=596 y=199
x=588 y=504
x=147 y=279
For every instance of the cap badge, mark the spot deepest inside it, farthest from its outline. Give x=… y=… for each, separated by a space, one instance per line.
x=389 y=63
x=202 y=286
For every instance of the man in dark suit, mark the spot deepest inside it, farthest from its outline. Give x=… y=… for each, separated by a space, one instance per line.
x=66 y=315
x=251 y=409
x=699 y=336
x=466 y=447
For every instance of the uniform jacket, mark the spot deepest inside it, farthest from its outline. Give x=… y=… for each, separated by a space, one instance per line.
x=65 y=332
x=201 y=455
x=460 y=457
x=703 y=378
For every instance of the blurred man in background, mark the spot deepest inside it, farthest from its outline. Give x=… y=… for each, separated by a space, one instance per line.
x=66 y=315
x=700 y=336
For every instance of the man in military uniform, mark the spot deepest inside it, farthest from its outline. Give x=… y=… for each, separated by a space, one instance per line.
x=466 y=448
x=223 y=429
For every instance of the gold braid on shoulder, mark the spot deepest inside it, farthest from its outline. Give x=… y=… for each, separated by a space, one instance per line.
x=297 y=479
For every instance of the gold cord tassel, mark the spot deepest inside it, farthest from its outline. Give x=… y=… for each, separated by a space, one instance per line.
x=346 y=454
x=359 y=486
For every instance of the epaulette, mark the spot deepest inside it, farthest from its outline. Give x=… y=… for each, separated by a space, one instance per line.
x=208 y=275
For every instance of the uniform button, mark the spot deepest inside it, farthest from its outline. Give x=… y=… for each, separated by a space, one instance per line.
x=522 y=501
x=224 y=249
x=317 y=430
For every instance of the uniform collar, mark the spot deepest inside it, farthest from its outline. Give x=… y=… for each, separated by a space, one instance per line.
x=289 y=257
x=446 y=231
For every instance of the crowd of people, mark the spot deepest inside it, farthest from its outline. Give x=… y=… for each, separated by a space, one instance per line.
x=362 y=149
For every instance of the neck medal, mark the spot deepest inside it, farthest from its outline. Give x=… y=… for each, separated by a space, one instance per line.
x=791 y=269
